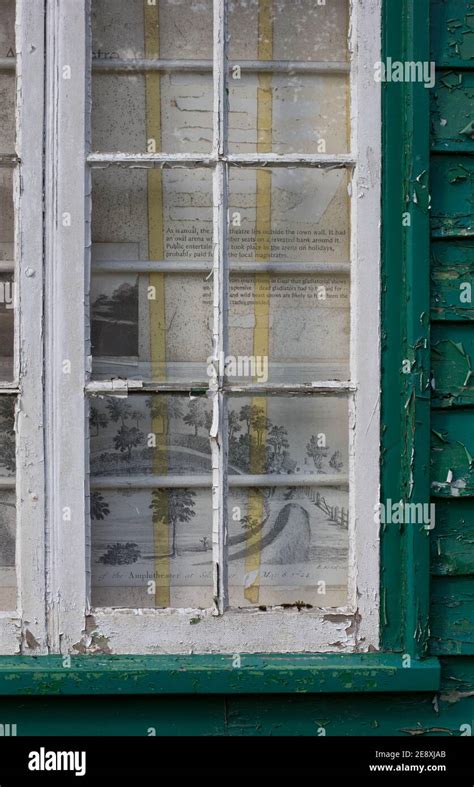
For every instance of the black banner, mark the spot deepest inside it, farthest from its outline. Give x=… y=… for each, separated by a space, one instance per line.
x=77 y=760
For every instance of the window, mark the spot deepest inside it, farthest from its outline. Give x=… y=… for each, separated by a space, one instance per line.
x=212 y=330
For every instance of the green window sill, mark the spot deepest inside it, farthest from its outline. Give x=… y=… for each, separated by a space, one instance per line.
x=215 y=674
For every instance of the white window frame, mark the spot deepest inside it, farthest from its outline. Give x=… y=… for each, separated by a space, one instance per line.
x=73 y=626
x=23 y=630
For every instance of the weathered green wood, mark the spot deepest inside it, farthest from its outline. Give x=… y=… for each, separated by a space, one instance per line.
x=406 y=308
x=393 y=335
x=452 y=449
x=452 y=33
x=416 y=410
x=408 y=715
x=452 y=187
x=452 y=540
x=452 y=616
x=218 y=674
x=452 y=364
x=452 y=272
x=452 y=112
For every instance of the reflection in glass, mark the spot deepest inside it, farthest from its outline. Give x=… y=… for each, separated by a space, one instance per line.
x=121 y=112
x=7 y=437
x=152 y=111
x=7 y=77
x=289 y=215
x=289 y=30
x=179 y=228
x=7 y=504
x=151 y=548
x=308 y=113
x=306 y=321
x=177 y=28
x=7 y=326
x=288 y=546
x=122 y=328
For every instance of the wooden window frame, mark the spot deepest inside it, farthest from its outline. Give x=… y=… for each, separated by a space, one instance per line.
x=24 y=629
x=404 y=569
x=346 y=629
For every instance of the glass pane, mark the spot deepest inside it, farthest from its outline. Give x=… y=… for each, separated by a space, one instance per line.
x=155 y=325
x=7 y=326
x=144 y=435
x=151 y=548
x=288 y=329
x=177 y=29
x=122 y=118
x=7 y=504
x=7 y=77
x=289 y=215
x=125 y=309
x=7 y=224
x=7 y=287
x=288 y=113
x=154 y=111
x=288 y=546
x=289 y=435
x=288 y=30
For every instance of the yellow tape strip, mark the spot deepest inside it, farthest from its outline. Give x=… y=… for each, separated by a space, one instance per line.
x=157 y=305
x=263 y=225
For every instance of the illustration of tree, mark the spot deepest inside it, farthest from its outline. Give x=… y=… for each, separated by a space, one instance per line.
x=118 y=410
x=250 y=523
x=205 y=543
x=246 y=413
x=261 y=424
x=175 y=407
x=99 y=507
x=195 y=417
x=136 y=416
x=316 y=452
x=336 y=461
x=98 y=420
x=120 y=554
x=234 y=424
x=277 y=439
x=126 y=439
x=173 y=506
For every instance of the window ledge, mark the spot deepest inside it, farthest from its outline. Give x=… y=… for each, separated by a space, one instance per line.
x=215 y=674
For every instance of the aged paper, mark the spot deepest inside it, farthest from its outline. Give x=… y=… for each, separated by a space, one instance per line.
x=287 y=544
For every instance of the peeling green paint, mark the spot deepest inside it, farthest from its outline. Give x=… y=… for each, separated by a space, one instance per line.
x=452 y=279
x=451 y=363
x=452 y=190
x=452 y=541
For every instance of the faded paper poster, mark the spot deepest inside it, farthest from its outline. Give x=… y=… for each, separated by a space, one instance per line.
x=289 y=543
x=293 y=538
